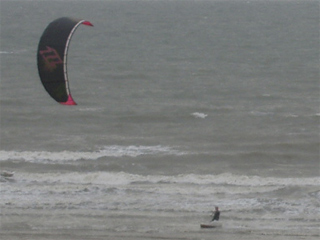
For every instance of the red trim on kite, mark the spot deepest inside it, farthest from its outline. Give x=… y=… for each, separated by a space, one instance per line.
x=87 y=23
x=70 y=101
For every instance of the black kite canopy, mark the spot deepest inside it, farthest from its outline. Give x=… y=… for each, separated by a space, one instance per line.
x=52 y=58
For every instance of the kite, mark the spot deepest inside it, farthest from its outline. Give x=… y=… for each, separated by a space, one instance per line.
x=52 y=58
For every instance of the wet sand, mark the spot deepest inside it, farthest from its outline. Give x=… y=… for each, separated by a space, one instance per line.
x=41 y=224
x=77 y=234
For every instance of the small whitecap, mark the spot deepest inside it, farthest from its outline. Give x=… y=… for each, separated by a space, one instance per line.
x=199 y=115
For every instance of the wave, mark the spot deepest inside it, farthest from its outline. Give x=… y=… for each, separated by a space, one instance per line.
x=123 y=178
x=238 y=195
x=91 y=109
x=107 y=151
x=261 y=113
x=13 y=52
x=6 y=52
x=199 y=115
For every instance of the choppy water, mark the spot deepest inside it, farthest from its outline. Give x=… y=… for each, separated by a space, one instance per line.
x=183 y=105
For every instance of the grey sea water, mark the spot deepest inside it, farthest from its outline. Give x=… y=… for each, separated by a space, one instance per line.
x=182 y=105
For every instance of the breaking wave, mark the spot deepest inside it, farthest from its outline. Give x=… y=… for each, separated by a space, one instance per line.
x=123 y=178
x=107 y=151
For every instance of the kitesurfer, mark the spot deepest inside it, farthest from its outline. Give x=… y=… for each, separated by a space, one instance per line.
x=216 y=214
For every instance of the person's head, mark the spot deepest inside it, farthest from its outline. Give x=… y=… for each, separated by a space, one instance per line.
x=216 y=208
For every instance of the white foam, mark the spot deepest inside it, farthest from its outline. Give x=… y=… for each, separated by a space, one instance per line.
x=91 y=109
x=111 y=190
x=122 y=178
x=6 y=52
x=107 y=151
x=13 y=52
x=199 y=115
x=260 y=113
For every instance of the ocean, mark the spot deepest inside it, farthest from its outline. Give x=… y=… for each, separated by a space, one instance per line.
x=183 y=105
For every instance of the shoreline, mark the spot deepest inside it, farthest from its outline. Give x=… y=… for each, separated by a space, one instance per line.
x=77 y=234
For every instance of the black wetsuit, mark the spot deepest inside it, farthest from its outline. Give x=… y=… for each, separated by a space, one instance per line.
x=216 y=216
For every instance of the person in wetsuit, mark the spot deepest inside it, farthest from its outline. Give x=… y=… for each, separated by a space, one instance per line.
x=216 y=215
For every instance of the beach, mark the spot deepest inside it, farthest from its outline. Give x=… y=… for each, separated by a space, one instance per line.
x=183 y=105
x=115 y=225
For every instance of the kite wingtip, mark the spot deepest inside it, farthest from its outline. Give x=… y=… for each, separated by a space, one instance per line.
x=87 y=23
x=70 y=101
